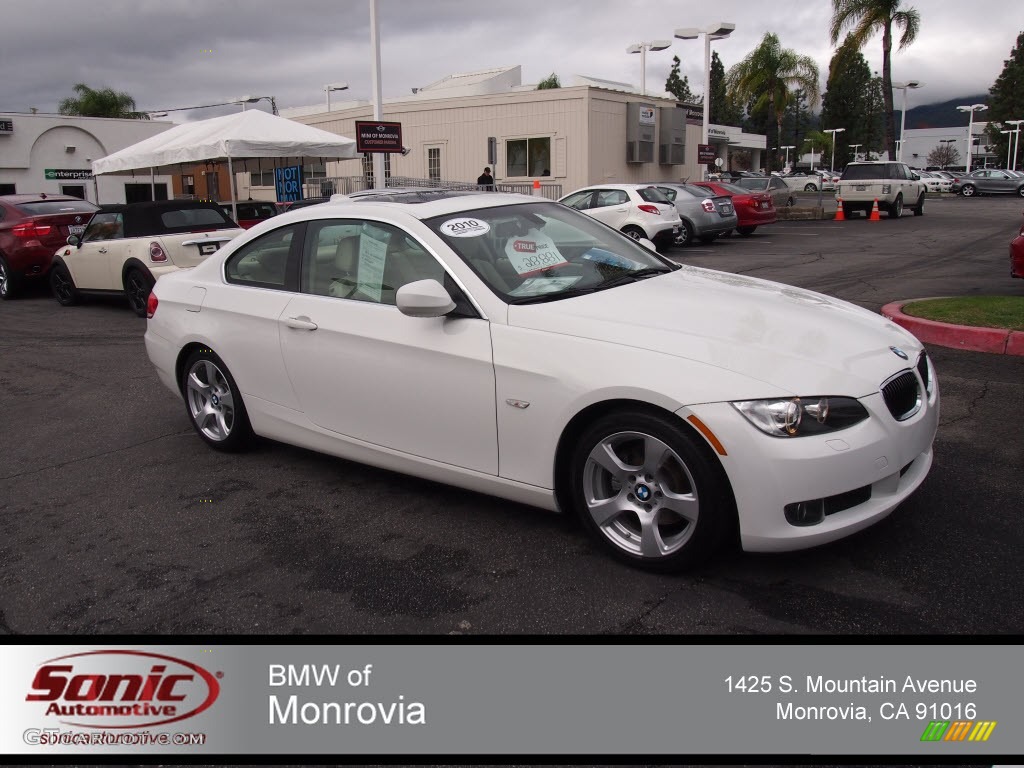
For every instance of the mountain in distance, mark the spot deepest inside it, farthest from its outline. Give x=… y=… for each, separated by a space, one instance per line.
x=942 y=114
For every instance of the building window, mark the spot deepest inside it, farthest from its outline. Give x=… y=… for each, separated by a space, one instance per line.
x=261 y=178
x=314 y=171
x=528 y=157
x=188 y=185
x=434 y=163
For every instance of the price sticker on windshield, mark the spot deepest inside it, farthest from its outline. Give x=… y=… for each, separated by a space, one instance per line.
x=532 y=252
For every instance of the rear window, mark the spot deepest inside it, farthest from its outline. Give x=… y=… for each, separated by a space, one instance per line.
x=862 y=172
x=652 y=195
x=700 y=192
x=753 y=183
x=734 y=189
x=51 y=207
x=187 y=218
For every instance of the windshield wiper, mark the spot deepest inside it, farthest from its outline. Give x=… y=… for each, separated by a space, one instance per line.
x=632 y=277
x=553 y=295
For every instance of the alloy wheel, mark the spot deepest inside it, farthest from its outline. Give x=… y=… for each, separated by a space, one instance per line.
x=3 y=279
x=62 y=286
x=210 y=401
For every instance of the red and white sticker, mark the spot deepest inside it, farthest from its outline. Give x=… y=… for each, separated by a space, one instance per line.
x=532 y=252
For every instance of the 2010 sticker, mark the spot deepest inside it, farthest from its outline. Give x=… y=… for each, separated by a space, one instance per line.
x=465 y=227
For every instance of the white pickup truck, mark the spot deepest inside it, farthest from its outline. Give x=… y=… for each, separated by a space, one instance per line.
x=125 y=248
x=894 y=185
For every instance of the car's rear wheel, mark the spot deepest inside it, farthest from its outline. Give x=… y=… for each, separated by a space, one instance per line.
x=685 y=236
x=63 y=286
x=214 y=403
x=790 y=202
x=968 y=190
x=896 y=209
x=137 y=287
x=8 y=282
x=1020 y=190
x=746 y=231
x=634 y=232
x=649 y=491
x=919 y=208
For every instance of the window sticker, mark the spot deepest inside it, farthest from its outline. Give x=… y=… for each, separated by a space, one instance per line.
x=536 y=286
x=370 y=275
x=532 y=252
x=465 y=227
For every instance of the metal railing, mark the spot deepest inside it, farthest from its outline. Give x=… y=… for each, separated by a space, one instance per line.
x=344 y=185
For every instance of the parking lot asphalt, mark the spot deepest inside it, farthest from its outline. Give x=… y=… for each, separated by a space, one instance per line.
x=117 y=519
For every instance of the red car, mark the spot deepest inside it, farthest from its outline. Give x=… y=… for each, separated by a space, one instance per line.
x=251 y=212
x=1017 y=255
x=32 y=227
x=753 y=209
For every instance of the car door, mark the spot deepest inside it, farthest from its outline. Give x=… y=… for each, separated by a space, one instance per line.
x=611 y=206
x=779 y=191
x=1000 y=181
x=89 y=263
x=361 y=368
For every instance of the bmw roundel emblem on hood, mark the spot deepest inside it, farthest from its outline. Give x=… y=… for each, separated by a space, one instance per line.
x=899 y=353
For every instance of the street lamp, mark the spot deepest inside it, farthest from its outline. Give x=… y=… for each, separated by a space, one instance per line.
x=972 y=108
x=903 y=112
x=1016 y=141
x=717 y=31
x=642 y=49
x=333 y=87
x=787 y=153
x=855 y=148
x=833 y=131
x=253 y=99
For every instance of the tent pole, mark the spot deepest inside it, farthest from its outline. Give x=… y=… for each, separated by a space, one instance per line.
x=234 y=196
x=152 y=183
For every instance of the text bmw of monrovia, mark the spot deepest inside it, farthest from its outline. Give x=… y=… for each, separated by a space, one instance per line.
x=122 y=689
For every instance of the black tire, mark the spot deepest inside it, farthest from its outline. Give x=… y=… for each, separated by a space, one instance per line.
x=1020 y=190
x=746 y=231
x=708 y=239
x=137 y=287
x=919 y=208
x=634 y=232
x=685 y=236
x=810 y=188
x=790 y=202
x=968 y=190
x=63 y=286
x=896 y=209
x=689 y=471
x=10 y=284
x=225 y=427
x=727 y=233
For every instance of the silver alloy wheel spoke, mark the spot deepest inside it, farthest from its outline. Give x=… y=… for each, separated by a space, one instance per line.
x=605 y=511
x=196 y=385
x=683 y=504
x=604 y=454
x=655 y=454
x=651 y=543
x=226 y=401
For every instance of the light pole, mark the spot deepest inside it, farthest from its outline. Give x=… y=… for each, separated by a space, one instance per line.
x=1016 y=141
x=833 y=131
x=899 y=148
x=786 y=164
x=333 y=87
x=642 y=49
x=1009 y=146
x=717 y=31
x=972 y=108
x=903 y=112
x=855 y=148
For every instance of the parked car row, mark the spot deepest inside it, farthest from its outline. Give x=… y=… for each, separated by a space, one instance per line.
x=989 y=181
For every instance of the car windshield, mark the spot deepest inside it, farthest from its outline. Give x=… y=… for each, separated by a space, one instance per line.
x=544 y=251
x=753 y=182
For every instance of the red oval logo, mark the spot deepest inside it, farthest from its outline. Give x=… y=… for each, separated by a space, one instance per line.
x=140 y=690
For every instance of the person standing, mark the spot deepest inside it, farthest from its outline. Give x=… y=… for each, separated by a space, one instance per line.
x=486 y=180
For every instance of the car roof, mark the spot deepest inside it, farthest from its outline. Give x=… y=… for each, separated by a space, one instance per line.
x=35 y=197
x=420 y=210
x=158 y=205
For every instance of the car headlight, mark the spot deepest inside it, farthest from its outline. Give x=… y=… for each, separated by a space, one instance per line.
x=802 y=416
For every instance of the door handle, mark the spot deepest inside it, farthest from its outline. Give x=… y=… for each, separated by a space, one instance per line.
x=301 y=323
x=102 y=250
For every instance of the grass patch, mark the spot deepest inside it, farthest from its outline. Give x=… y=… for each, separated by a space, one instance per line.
x=978 y=311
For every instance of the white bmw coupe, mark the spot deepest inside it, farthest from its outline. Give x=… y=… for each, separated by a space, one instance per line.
x=517 y=347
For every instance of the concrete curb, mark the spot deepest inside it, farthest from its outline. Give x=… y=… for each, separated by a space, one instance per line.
x=999 y=341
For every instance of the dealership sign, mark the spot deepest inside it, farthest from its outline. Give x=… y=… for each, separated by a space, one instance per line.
x=374 y=136
x=121 y=689
x=706 y=153
x=66 y=174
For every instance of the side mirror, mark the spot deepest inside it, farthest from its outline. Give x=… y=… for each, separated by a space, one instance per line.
x=649 y=245
x=424 y=298
x=915 y=176
x=73 y=240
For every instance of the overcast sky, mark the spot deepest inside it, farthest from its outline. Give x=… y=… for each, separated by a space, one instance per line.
x=178 y=53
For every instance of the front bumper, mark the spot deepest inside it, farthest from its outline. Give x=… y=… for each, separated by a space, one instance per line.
x=880 y=459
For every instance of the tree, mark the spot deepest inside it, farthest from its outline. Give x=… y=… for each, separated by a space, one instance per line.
x=768 y=76
x=846 y=103
x=551 y=81
x=679 y=86
x=1006 y=100
x=105 y=102
x=944 y=155
x=724 y=110
x=866 y=18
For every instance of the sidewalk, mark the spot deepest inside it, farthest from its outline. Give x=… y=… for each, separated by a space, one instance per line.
x=999 y=341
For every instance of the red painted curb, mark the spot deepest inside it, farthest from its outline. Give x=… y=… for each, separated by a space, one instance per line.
x=993 y=340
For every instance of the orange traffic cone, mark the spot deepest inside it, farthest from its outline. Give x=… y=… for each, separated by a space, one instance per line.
x=874 y=212
x=840 y=216
x=536 y=189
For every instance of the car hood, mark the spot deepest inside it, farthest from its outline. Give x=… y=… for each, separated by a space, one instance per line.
x=796 y=340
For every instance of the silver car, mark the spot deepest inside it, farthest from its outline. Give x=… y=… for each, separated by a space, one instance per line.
x=704 y=214
x=989 y=181
x=782 y=195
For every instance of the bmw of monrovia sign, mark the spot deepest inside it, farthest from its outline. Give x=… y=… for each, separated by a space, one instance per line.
x=374 y=136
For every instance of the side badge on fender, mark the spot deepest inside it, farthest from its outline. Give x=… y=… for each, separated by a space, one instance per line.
x=521 y=404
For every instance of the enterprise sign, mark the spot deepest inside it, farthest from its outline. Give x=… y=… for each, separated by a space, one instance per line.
x=373 y=136
x=6 y=126
x=66 y=174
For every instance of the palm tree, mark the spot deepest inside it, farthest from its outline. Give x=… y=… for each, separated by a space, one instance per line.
x=770 y=76
x=105 y=102
x=867 y=17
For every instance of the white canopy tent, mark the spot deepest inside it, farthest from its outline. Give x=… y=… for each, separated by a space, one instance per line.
x=244 y=139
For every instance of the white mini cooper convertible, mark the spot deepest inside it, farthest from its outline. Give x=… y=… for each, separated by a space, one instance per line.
x=517 y=347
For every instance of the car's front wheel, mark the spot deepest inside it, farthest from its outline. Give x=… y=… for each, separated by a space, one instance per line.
x=790 y=202
x=810 y=188
x=214 y=403
x=63 y=286
x=137 y=286
x=8 y=283
x=685 y=236
x=649 y=491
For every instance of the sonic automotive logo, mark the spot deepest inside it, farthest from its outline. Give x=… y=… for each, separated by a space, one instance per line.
x=122 y=689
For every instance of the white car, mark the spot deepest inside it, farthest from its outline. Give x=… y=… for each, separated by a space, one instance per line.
x=516 y=347
x=934 y=182
x=637 y=210
x=125 y=248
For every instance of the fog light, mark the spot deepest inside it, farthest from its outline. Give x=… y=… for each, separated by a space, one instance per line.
x=805 y=513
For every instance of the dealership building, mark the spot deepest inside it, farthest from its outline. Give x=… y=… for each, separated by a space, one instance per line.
x=590 y=132
x=54 y=154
